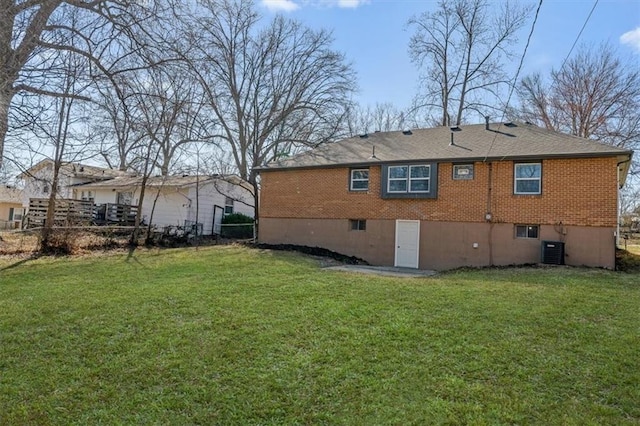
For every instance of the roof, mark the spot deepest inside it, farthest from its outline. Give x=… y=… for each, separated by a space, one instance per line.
x=77 y=170
x=9 y=194
x=470 y=143
x=158 y=181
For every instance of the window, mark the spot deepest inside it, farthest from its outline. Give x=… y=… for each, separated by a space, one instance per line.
x=410 y=181
x=409 y=178
x=45 y=188
x=124 y=198
x=10 y=213
x=228 y=205
x=357 y=224
x=463 y=171
x=527 y=178
x=526 y=231
x=359 y=180
x=87 y=196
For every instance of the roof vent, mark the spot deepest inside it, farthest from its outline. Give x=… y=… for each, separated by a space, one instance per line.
x=407 y=132
x=82 y=169
x=373 y=154
x=376 y=131
x=364 y=136
x=510 y=124
x=456 y=129
x=486 y=122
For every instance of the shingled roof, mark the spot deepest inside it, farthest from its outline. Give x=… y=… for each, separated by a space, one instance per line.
x=161 y=181
x=83 y=171
x=465 y=143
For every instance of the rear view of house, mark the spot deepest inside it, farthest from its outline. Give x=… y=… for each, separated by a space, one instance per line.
x=478 y=195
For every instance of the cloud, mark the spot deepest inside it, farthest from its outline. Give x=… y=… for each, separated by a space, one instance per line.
x=352 y=4
x=632 y=39
x=280 y=5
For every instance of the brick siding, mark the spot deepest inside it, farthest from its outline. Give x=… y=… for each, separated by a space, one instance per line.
x=580 y=192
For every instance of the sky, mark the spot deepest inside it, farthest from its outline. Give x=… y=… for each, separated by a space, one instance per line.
x=374 y=37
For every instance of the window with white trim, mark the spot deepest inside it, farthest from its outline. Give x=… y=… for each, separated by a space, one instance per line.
x=228 y=205
x=409 y=179
x=87 y=196
x=527 y=231
x=359 y=180
x=527 y=178
x=419 y=180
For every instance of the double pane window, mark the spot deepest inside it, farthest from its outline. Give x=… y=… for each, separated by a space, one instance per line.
x=409 y=178
x=359 y=180
x=528 y=178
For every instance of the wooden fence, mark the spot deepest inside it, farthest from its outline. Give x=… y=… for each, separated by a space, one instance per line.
x=115 y=214
x=79 y=213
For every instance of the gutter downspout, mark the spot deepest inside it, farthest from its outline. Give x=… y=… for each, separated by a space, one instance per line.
x=618 y=200
x=489 y=213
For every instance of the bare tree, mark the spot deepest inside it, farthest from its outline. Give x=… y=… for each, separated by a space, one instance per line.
x=31 y=32
x=595 y=95
x=459 y=49
x=60 y=133
x=272 y=88
x=114 y=126
x=383 y=117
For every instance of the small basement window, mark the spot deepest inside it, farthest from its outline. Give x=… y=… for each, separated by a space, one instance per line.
x=463 y=172
x=359 y=180
x=357 y=224
x=527 y=231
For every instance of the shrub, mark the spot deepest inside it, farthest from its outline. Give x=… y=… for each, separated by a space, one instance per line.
x=241 y=226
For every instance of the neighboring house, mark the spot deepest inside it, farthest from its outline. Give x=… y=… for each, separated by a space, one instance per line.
x=38 y=180
x=177 y=200
x=174 y=197
x=11 y=210
x=442 y=198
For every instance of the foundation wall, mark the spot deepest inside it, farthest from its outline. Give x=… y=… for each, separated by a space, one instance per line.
x=445 y=245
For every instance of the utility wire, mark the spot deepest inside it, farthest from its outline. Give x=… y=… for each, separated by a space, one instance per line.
x=579 y=34
x=515 y=78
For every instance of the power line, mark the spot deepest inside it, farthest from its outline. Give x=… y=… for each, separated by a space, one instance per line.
x=515 y=78
x=579 y=34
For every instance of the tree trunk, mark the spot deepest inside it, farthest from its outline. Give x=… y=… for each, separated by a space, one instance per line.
x=5 y=101
x=45 y=243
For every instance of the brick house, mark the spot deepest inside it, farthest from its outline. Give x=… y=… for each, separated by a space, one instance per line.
x=442 y=198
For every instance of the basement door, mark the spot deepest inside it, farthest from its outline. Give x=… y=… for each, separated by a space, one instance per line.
x=407 y=243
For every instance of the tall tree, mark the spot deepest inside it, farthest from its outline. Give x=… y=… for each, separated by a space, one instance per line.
x=459 y=49
x=596 y=95
x=272 y=87
x=31 y=32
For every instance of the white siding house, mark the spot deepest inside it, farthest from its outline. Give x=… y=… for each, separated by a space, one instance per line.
x=168 y=201
x=177 y=200
x=37 y=181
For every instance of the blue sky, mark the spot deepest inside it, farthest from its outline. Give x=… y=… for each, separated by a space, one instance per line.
x=374 y=36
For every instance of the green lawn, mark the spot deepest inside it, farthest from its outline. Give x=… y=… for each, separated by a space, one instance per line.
x=231 y=335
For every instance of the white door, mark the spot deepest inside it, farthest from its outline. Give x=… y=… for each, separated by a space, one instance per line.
x=407 y=243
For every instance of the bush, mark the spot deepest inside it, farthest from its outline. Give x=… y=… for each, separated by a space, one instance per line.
x=241 y=226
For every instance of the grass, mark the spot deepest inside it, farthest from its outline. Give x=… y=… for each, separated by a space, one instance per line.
x=231 y=335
